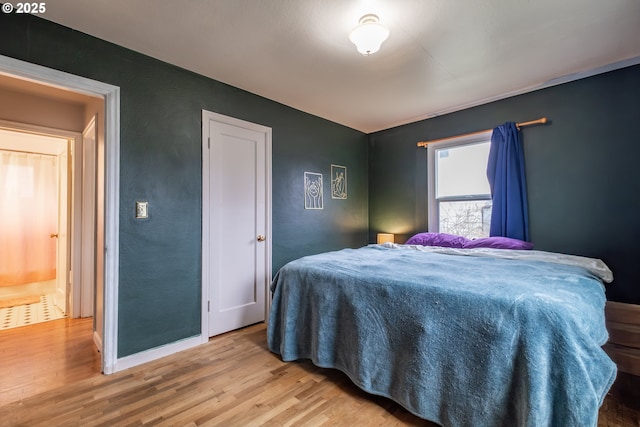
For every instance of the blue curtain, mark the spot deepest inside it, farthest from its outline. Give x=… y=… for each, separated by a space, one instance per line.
x=505 y=170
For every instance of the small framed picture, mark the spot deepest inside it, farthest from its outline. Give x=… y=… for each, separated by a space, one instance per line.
x=313 y=190
x=338 y=182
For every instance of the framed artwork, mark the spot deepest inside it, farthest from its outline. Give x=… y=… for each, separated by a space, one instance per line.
x=338 y=182
x=313 y=190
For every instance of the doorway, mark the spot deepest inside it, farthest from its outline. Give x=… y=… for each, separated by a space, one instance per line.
x=33 y=230
x=236 y=223
x=48 y=227
x=107 y=191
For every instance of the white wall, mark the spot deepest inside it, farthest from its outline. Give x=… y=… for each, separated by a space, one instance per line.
x=32 y=109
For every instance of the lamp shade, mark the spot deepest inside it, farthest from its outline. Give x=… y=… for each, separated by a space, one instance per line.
x=385 y=237
x=369 y=35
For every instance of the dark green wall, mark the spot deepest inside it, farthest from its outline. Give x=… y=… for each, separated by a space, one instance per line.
x=160 y=161
x=582 y=170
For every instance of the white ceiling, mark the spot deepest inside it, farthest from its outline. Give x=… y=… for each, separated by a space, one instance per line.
x=441 y=55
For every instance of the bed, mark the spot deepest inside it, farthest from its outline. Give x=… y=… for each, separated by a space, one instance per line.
x=460 y=337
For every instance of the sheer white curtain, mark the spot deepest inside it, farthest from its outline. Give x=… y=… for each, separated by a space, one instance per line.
x=28 y=217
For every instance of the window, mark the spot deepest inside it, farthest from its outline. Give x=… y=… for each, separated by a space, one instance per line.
x=459 y=193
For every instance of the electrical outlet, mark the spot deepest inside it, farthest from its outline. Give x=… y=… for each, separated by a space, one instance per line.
x=142 y=210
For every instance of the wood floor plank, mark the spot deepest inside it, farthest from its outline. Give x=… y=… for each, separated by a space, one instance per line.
x=49 y=376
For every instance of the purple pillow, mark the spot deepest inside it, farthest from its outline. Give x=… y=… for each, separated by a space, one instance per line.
x=438 y=239
x=498 y=243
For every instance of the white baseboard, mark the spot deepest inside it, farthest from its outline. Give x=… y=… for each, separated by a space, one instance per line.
x=97 y=341
x=156 y=353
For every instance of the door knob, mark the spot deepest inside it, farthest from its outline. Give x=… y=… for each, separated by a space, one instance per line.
x=261 y=238
x=52 y=235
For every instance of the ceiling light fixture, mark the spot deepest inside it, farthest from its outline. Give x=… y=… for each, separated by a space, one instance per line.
x=369 y=34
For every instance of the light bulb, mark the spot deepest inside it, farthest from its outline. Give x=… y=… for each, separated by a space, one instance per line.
x=369 y=34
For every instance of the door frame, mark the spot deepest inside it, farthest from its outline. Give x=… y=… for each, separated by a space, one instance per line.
x=86 y=226
x=74 y=149
x=206 y=211
x=64 y=245
x=111 y=95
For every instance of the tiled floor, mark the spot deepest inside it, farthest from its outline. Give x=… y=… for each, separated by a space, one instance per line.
x=23 y=315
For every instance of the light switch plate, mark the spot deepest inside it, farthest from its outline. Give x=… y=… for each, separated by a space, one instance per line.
x=142 y=210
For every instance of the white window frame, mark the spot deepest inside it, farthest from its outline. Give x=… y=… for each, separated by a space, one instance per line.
x=477 y=137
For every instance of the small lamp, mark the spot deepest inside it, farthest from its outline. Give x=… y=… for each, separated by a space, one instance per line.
x=386 y=238
x=369 y=34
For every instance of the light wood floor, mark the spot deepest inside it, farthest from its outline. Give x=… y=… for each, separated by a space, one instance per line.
x=49 y=376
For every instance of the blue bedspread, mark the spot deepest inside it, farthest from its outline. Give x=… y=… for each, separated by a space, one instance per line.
x=461 y=341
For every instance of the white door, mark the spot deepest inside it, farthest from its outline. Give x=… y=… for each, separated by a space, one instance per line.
x=61 y=298
x=236 y=222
